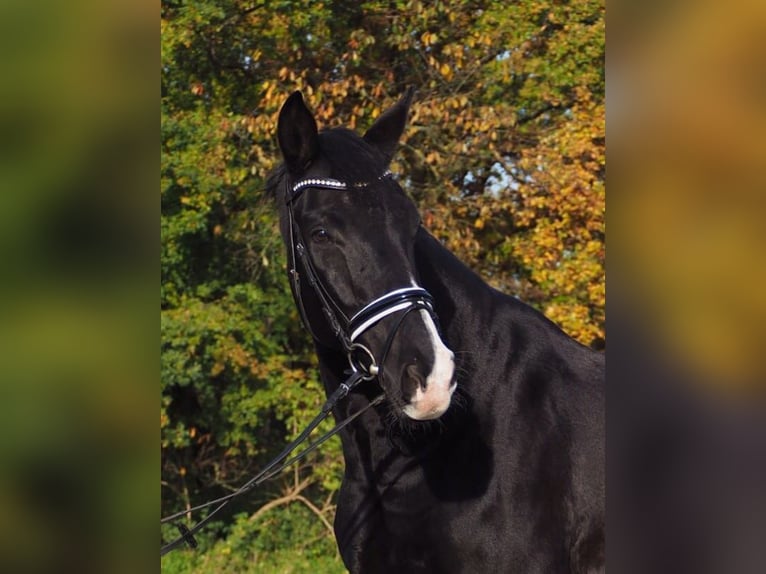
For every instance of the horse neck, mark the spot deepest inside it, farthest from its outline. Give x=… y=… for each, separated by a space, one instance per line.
x=452 y=284
x=469 y=310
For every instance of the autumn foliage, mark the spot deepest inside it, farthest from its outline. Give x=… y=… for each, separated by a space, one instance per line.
x=504 y=155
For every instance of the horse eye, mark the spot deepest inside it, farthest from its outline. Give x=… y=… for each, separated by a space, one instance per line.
x=320 y=235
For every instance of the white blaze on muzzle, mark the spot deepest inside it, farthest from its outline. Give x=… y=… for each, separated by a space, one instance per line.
x=434 y=401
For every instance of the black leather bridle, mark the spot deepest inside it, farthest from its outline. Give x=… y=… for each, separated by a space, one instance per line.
x=363 y=364
x=347 y=329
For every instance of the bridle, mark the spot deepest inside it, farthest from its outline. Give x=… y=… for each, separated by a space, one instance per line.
x=364 y=366
x=347 y=329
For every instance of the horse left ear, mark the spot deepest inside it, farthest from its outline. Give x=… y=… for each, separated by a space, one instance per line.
x=297 y=134
x=384 y=134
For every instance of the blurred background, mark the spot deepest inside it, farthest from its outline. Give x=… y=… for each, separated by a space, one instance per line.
x=78 y=327
x=686 y=423
x=687 y=113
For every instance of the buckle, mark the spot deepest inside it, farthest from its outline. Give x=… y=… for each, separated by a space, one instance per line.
x=362 y=361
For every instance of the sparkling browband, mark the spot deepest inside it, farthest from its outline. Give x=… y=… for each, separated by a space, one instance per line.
x=327 y=183
x=331 y=183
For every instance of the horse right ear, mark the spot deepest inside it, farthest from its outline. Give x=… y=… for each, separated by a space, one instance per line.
x=387 y=129
x=297 y=134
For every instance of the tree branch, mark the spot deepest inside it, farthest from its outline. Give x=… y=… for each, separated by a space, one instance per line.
x=316 y=511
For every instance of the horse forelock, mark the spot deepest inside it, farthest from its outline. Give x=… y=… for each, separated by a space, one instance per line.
x=351 y=159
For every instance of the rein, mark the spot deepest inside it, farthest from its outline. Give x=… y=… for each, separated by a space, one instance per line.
x=364 y=366
x=273 y=467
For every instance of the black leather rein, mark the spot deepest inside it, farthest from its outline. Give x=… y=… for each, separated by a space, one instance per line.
x=274 y=467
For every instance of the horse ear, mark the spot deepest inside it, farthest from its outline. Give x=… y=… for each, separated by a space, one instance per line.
x=387 y=129
x=297 y=134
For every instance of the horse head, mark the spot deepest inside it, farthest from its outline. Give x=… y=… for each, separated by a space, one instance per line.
x=350 y=230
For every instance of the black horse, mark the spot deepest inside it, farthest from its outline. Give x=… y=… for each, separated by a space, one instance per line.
x=490 y=459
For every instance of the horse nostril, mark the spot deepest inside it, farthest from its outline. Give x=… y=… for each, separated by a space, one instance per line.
x=415 y=377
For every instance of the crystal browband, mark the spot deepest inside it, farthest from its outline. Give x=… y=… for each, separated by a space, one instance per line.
x=327 y=183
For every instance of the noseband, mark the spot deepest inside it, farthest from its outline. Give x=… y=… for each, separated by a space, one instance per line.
x=348 y=330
